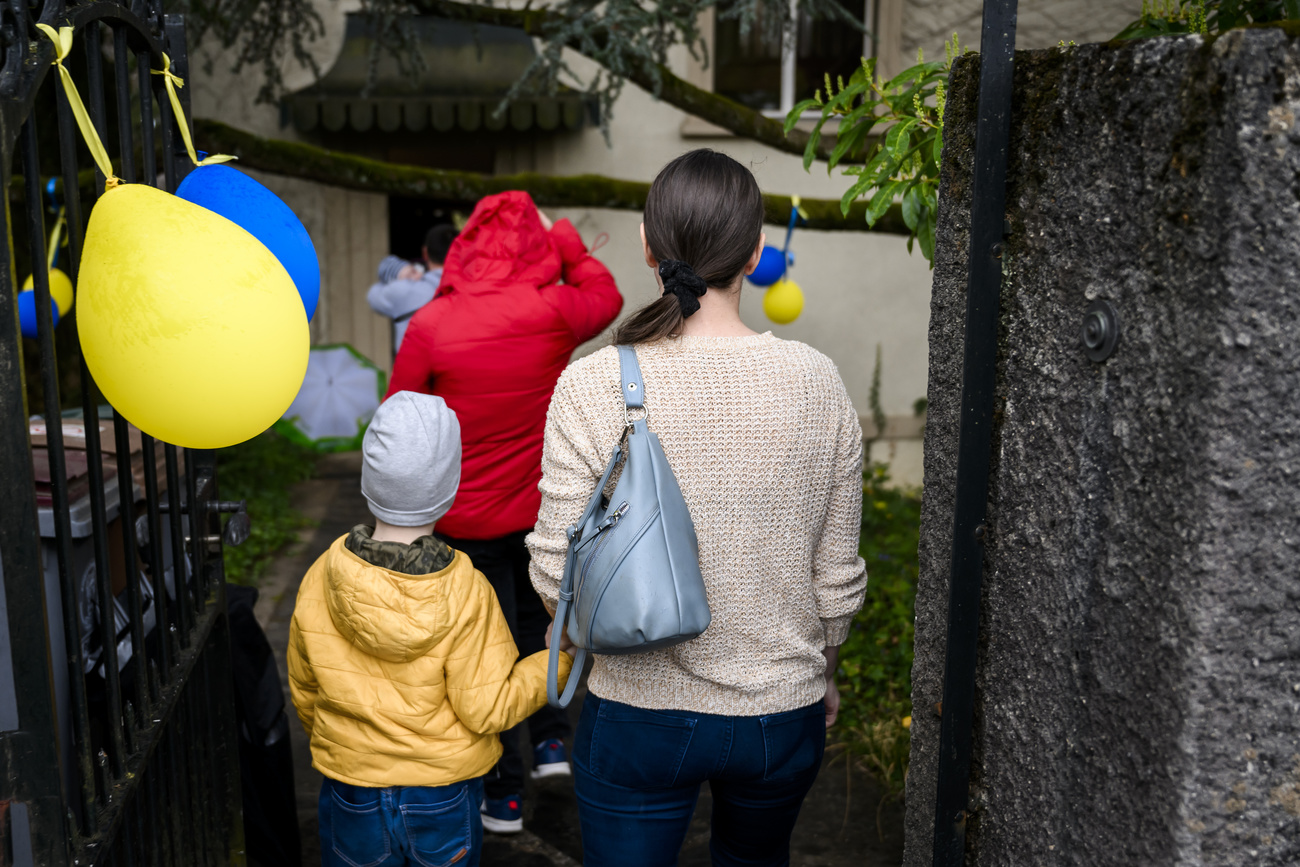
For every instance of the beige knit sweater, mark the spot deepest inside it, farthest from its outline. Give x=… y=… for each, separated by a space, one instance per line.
x=767 y=450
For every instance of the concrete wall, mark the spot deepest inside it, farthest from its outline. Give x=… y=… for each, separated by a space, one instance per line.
x=1138 y=689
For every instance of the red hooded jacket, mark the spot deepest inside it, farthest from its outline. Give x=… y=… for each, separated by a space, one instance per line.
x=492 y=344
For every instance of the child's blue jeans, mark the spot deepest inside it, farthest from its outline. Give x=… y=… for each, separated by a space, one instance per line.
x=429 y=826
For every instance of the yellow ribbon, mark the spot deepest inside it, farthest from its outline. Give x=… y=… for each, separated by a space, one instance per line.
x=172 y=81
x=62 y=40
x=55 y=236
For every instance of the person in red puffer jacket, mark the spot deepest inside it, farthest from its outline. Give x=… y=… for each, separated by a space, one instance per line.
x=518 y=296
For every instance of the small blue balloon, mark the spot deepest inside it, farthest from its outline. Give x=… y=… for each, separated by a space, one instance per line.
x=27 y=313
x=242 y=200
x=771 y=267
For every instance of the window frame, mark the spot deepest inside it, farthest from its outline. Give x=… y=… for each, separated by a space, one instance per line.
x=883 y=41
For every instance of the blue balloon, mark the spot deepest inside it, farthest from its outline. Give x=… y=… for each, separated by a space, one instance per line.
x=771 y=267
x=242 y=200
x=27 y=313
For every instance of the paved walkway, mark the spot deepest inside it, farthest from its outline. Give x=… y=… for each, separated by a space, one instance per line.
x=838 y=826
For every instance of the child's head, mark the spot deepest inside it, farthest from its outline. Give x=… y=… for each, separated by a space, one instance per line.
x=704 y=209
x=411 y=460
x=437 y=244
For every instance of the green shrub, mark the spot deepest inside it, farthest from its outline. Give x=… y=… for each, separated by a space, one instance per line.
x=261 y=471
x=875 y=673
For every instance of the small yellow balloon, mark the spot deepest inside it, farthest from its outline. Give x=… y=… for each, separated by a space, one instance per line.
x=783 y=302
x=190 y=326
x=60 y=289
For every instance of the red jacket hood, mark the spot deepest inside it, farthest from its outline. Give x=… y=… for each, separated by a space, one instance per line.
x=521 y=299
x=503 y=243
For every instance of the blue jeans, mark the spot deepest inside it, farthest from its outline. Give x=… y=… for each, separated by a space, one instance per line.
x=431 y=826
x=637 y=775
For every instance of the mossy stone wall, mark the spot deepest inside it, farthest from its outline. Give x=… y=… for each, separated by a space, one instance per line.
x=1138 y=696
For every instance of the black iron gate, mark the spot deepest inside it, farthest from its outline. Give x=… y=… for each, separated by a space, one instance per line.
x=117 y=734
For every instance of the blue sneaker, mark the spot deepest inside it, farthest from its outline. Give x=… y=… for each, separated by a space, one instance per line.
x=550 y=760
x=503 y=815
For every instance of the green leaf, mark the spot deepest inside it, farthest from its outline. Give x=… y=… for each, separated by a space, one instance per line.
x=899 y=139
x=938 y=149
x=912 y=207
x=856 y=116
x=845 y=97
x=850 y=140
x=865 y=73
x=875 y=164
x=881 y=201
x=925 y=235
x=864 y=183
x=814 y=137
x=1145 y=28
x=920 y=71
x=797 y=112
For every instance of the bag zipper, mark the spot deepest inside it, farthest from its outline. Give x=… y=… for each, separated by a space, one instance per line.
x=606 y=523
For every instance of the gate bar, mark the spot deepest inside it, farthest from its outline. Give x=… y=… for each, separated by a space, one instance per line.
x=117 y=745
x=979 y=379
x=77 y=676
x=79 y=726
x=121 y=435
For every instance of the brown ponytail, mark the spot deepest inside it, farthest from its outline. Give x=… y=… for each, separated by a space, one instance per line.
x=704 y=209
x=660 y=318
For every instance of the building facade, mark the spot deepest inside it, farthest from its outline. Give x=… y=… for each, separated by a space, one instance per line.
x=863 y=291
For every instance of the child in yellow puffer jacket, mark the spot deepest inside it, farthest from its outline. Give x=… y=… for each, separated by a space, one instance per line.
x=401 y=665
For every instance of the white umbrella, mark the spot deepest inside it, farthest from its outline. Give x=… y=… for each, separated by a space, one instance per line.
x=339 y=394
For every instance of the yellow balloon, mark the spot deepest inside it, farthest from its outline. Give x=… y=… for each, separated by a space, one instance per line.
x=190 y=326
x=60 y=289
x=783 y=302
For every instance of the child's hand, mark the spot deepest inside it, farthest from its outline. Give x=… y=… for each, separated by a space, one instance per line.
x=566 y=645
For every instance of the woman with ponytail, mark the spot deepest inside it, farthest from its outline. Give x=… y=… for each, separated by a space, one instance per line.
x=767 y=449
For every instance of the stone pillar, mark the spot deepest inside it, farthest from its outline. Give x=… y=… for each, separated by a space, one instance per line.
x=1138 y=695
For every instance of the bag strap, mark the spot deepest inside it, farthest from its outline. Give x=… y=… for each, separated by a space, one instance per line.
x=553 y=663
x=630 y=373
x=553 y=698
x=633 y=389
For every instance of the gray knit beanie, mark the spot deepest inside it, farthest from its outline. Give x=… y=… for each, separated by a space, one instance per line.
x=411 y=460
x=390 y=267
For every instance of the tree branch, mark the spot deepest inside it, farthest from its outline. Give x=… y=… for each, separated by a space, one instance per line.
x=308 y=162
x=656 y=80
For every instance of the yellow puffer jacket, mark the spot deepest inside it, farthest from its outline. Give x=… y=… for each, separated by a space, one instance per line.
x=404 y=680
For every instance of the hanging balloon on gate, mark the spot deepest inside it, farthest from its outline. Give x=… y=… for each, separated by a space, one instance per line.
x=59 y=283
x=190 y=326
x=783 y=300
x=27 y=314
x=771 y=265
x=242 y=200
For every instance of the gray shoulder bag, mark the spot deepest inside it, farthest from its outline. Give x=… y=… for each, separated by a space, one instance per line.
x=632 y=578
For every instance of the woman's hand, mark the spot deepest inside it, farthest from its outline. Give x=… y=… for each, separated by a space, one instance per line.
x=832 y=655
x=566 y=646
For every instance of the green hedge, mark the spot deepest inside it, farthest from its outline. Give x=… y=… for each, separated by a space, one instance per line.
x=261 y=472
x=875 y=673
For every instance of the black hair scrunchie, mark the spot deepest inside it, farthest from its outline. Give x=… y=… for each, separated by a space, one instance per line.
x=681 y=280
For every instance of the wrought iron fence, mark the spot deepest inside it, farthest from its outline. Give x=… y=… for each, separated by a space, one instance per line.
x=117 y=735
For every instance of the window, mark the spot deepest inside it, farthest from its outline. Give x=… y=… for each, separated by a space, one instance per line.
x=771 y=77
